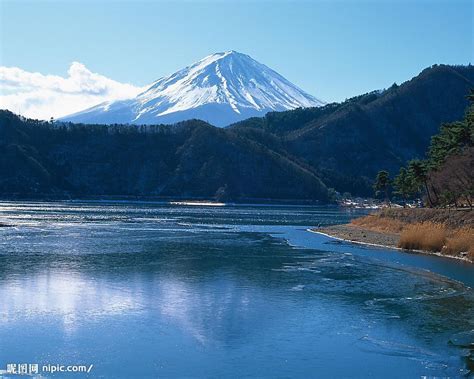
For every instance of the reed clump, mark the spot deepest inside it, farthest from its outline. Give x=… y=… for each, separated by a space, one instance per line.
x=427 y=236
x=461 y=241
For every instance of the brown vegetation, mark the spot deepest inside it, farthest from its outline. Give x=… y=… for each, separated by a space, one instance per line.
x=452 y=218
x=434 y=237
x=427 y=236
x=379 y=223
x=461 y=240
x=450 y=232
x=453 y=181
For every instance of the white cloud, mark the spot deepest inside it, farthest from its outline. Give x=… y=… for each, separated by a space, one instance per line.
x=43 y=96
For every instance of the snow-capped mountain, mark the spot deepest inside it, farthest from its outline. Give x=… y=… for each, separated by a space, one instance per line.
x=221 y=89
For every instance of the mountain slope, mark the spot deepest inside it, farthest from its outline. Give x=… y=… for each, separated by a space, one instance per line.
x=221 y=89
x=349 y=142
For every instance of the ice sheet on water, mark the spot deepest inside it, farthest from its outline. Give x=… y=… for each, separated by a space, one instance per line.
x=463 y=339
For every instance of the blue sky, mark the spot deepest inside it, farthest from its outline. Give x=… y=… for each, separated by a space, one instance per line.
x=331 y=49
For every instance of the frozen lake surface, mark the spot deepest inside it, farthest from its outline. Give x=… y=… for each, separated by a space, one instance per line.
x=149 y=289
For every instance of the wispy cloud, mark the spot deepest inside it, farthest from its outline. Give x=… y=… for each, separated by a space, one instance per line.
x=42 y=96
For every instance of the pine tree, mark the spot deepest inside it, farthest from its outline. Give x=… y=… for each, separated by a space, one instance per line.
x=382 y=184
x=404 y=184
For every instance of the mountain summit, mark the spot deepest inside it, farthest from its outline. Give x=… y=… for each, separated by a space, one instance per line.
x=221 y=88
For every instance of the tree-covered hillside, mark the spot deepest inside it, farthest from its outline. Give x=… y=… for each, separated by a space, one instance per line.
x=446 y=176
x=349 y=142
x=191 y=159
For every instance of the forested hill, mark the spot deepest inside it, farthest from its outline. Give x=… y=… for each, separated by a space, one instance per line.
x=347 y=143
x=296 y=154
x=188 y=160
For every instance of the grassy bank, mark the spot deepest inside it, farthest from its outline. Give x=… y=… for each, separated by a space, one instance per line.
x=450 y=232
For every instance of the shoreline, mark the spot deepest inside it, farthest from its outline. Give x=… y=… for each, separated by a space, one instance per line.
x=165 y=200
x=340 y=232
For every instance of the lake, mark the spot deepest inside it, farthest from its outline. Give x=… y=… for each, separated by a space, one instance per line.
x=143 y=290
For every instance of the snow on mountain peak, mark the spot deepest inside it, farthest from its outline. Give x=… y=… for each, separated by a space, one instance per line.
x=221 y=88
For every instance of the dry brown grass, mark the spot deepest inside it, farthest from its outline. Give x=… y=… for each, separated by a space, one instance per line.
x=461 y=241
x=437 y=237
x=450 y=232
x=427 y=236
x=452 y=218
x=379 y=223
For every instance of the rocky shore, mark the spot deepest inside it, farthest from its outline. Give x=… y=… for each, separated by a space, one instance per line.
x=355 y=233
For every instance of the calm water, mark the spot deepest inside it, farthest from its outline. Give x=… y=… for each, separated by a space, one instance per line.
x=151 y=290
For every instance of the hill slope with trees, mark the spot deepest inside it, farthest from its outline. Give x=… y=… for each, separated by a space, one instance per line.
x=191 y=160
x=446 y=176
x=349 y=142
